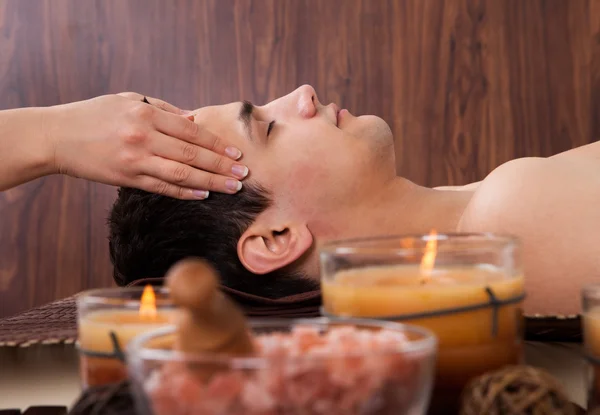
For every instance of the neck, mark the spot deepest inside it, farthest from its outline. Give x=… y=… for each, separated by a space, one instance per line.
x=402 y=207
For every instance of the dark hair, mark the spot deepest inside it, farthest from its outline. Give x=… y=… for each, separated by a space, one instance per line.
x=149 y=233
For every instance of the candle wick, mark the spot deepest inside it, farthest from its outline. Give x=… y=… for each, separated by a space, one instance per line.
x=118 y=352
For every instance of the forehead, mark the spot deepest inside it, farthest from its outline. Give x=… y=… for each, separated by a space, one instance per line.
x=223 y=121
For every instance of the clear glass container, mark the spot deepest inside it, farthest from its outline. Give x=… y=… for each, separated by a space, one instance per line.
x=282 y=379
x=591 y=341
x=466 y=288
x=107 y=320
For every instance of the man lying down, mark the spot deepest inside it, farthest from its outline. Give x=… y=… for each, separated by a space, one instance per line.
x=319 y=174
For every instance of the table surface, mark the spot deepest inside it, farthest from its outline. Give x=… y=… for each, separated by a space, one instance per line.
x=48 y=376
x=39 y=375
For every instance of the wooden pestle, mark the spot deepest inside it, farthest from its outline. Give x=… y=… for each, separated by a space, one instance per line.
x=210 y=322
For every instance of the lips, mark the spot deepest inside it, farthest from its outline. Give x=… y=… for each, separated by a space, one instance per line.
x=340 y=115
x=336 y=111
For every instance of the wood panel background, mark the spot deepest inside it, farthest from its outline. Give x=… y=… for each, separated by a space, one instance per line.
x=465 y=84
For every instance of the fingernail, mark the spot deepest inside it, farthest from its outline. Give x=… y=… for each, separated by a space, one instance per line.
x=233 y=152
x=200 y=194
x=233 y=185
x=239 y=171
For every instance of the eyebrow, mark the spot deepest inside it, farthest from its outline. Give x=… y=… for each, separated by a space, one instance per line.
x=245 y=117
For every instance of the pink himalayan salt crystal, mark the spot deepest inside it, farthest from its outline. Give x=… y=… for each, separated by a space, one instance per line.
x=257 y=398
x=307 y=372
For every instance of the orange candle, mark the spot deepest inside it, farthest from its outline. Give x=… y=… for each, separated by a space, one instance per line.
x=467 y=289
x=108 y=321
x=471 y=342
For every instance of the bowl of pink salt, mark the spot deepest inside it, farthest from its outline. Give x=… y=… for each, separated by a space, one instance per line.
x=304 y=366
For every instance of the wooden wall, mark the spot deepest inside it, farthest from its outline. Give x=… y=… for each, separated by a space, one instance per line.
x=465 y=85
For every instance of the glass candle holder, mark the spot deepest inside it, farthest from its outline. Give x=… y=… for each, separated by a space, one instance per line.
x=466 y=288
x=591 y=342
x=107 y=320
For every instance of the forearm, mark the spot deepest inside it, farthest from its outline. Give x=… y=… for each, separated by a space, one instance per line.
x=25 y=150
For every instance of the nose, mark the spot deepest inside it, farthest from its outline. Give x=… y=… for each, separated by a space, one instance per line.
x=307 y=101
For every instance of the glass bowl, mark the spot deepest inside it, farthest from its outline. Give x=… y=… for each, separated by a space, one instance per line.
x=302 y=366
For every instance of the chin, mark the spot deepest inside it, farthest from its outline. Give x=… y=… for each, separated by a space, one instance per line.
x=375 y=129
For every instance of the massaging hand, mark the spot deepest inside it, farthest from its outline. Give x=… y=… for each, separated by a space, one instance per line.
x=120 y=140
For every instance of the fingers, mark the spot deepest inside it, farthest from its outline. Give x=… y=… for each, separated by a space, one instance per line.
x=191 y=154
x=184 y=129
x=158 y=103
x=181 y=175
x=154 y=185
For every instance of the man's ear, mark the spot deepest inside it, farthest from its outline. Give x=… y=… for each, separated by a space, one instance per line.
x=264 y=249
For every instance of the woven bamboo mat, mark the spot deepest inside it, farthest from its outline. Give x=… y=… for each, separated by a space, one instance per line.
x=49 y=324
x=57 y=322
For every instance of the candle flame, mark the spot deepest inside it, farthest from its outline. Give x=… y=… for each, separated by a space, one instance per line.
x=428 y=260
x=148 y=303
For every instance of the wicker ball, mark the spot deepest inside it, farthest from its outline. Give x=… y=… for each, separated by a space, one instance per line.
x=516 y=390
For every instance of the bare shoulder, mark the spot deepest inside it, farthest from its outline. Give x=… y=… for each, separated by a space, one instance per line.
x=525 y=191
x=553 y=207
x=501 y=193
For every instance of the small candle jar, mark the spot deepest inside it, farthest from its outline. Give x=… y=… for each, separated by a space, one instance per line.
x=108 y=319
x=467 y=289
x=591 y=342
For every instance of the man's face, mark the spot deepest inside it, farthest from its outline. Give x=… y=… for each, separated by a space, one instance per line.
x=315 y=160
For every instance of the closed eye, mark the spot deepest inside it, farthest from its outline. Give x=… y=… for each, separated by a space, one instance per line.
x=271 y=124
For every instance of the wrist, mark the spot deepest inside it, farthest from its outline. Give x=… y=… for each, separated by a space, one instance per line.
x=37 y=152
x=50 y=135
x=25 y=151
